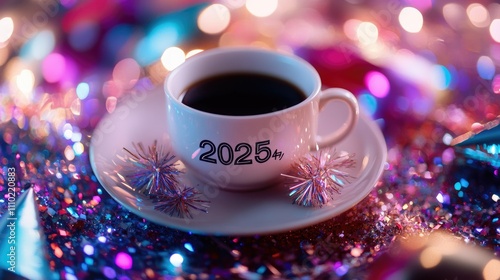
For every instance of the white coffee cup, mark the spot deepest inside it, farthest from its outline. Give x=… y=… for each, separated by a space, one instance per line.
x=250 y=152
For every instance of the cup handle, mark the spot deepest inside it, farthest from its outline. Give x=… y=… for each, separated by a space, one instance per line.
x=338 y=94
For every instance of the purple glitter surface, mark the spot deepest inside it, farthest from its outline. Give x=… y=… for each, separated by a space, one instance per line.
x=422 y=86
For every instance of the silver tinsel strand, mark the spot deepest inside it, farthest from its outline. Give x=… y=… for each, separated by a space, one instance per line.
x=316 y=178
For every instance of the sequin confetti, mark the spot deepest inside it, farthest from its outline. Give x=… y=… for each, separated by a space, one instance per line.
x=316 y=178
x=181 y=202
x=150 y=170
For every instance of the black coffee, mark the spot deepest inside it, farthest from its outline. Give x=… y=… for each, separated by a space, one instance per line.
x=242 y=94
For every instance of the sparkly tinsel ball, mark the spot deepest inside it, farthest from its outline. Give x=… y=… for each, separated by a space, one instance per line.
x=150 y=170
x=315 y=178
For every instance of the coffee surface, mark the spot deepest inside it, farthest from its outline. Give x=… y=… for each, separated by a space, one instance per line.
x=242 y=94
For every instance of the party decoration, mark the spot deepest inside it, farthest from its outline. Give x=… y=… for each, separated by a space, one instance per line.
x=180 y=202
x=23 y=251
x=481 y=143
x=317 y=177
x=150 y=170
x=488 y=133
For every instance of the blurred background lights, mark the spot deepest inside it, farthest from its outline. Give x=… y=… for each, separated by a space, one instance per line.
x=123 y=260
x=422 y=5
x=496 y=84
x=126 y=73
x=84 y=36
x=368 y=103
x=176 y=260
x=76 y=136
x=367 y=33
x=6 y=29
x=172 y=57
x=495 y=30
x=54 y=67
x=430 y=257
x=163 y=35
x=485 y=67
x=82 y=90
x=78 y=148
x=39 y=46
x=4 y=55
x=441 y=77
x=189 y=247
x=411 y=19
x=193 y=52
x=350 y=28
x=454 y=15
x=491 y=270
x=111 y=102
x=88 y=249
x=69 y=153
x=25 y=81
x=67 y=131
x=261 y=8
x=214 y=19
x=478 y=15
x=377 y=83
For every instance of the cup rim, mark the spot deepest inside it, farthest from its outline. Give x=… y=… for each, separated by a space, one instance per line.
x=217 y=51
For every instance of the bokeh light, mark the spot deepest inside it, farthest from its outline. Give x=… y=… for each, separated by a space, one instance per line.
x=6 y=29
x=172 y=57
x=69 y=153
x=478 y=15
x=495 y=30
x=367 y=33
x=88 y=249
x=377 y=83
x=176 y=260
x=368 y=103
x=123 y=260
x=126 y=73
x=411 y=19
x=193 y=52
x=25 y=81
x=430 y=257
x=214 y=19
x=495 y=84
x=163 y=35
x=440 y=77
x=454 y=15
x=422 y=5
x=54 y=67
x=38 y=47
x=78 y=148
x=67 y=131
x=189 y=247
x=350 y=28
x=82 y=90
x=491 y=270
x=111 y=102
x=261 y=8
x=485 y=67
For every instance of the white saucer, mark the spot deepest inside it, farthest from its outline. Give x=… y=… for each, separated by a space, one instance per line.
x=141 y=118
